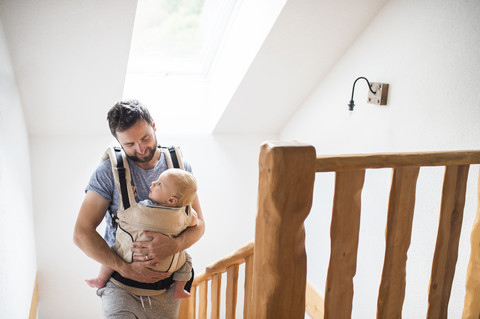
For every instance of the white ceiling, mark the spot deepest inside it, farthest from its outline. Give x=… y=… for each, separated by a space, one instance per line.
x=70 y=60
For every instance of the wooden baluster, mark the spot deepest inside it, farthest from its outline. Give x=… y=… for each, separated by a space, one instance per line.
x=202 y=300
x=183 y=312
x=187 y=306
x=248 y=299
x=398 y=235
x=446 y=249
x=314 y=303
x=191 y=303
x=216 y=291
x=471 y=309
x=35 y=297
x=344 y=232
x=286 y=176
x=232 y=290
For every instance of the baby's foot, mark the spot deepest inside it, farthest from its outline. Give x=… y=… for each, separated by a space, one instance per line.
x=95 y=283
x=180 y=294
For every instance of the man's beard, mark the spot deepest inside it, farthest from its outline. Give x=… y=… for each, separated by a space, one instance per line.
x=145 y=159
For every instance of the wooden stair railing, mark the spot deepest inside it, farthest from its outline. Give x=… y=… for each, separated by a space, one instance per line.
x=350 y=172
x=213 y=274
x=286 y=177
x=230 y=264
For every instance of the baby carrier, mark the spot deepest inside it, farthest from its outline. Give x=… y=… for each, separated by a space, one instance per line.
x=133 y=218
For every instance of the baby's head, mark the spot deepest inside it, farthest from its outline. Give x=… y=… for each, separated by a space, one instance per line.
x=174 y=187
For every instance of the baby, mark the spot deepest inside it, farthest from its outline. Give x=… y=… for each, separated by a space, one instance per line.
x=173 y=188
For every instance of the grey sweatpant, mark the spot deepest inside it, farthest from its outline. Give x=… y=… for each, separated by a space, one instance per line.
x=117 y=303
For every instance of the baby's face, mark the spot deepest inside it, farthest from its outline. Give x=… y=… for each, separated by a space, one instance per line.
x=162 y=189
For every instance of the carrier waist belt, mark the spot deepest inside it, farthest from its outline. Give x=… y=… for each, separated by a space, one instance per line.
x=159 y=285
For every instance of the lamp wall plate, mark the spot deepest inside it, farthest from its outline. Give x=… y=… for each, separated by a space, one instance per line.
x=381 y=94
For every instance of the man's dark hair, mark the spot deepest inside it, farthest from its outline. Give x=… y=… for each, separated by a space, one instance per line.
x=125 y=114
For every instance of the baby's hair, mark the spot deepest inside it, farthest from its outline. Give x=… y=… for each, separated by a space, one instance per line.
x=185 y=185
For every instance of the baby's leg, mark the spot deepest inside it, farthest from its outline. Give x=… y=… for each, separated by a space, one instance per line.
x=101 y=280
x=181 y=276
x=178 y=290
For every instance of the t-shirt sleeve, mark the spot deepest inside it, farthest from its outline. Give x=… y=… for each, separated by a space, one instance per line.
x=187 y=166
x=102 y=182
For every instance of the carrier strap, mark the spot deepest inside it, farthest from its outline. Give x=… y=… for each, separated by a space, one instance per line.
x=173 y=155
x=122 y=177
x=159 y=285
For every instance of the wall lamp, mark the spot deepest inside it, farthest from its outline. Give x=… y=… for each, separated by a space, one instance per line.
x=377 y=94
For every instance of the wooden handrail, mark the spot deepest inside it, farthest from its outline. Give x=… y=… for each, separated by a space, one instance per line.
x=336 y=163
x=220 y=266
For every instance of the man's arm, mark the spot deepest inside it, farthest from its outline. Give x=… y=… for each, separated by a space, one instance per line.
x=163 y=246
x=194 y=218
x=91 y=243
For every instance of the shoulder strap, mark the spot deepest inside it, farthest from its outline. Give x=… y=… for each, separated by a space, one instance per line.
x=122 y=178
x=121 y=175
x=173 y=156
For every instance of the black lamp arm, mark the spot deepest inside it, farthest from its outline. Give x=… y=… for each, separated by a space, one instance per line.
x=351 y=105
x=369 y=86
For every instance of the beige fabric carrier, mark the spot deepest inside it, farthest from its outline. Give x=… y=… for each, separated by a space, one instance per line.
x=137 y=218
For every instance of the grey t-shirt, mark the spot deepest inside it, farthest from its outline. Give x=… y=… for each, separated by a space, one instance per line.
x=103 y=183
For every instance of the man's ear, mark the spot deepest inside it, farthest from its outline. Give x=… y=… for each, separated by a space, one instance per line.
x=154 y=128
x=172 y=200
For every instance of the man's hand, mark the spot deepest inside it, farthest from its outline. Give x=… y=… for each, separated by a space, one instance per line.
x=158 y=248
x=139 y=271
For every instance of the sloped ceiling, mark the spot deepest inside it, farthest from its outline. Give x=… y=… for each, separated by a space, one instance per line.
x=70 y=60
x=306 y=41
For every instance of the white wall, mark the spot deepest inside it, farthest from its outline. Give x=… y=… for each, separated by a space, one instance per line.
x=428 y=52
x=17 y=246
x=226 y=168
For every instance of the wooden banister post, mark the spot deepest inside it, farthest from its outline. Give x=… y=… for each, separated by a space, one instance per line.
x=286 y=176
x=471 y=309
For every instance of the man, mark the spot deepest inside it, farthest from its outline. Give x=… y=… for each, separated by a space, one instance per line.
x=132 y=126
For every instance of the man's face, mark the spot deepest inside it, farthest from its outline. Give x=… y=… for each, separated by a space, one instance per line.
x=139 y=142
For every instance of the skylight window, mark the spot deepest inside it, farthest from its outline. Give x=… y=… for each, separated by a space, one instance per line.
x=177 y=36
